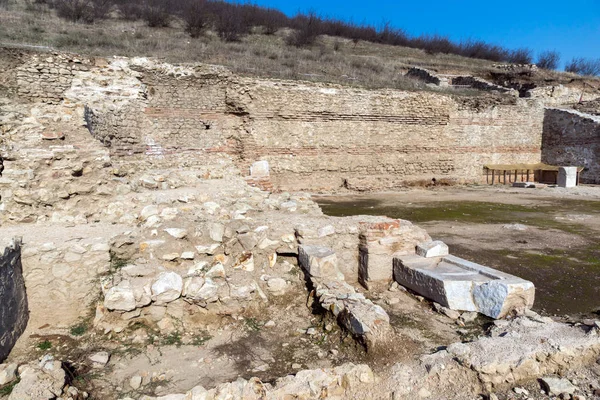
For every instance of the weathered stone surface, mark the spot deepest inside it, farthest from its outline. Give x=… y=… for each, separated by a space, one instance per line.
x=39 y=382
x=557 y=386
x=120 y=298
x=177 y=233
x=567 y=177
x=167 y=287
x=259 y=169
x=100 y=359
x=14 y=313
x=379 y=241
x=319 y=262
x=434 y=248
x=8 y=373
x=572 y=138
x=462 y=285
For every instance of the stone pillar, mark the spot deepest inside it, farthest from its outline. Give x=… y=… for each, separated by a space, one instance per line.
x=567 y=177
x=379 y=242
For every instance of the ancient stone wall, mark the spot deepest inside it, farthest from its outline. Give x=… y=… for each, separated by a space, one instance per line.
x=559 y=94
x=321 y=138
x=46 y=77
x=14 y=312
x=314 y=136
x=571 y=138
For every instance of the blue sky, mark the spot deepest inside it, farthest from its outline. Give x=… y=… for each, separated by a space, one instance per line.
x=570 y=27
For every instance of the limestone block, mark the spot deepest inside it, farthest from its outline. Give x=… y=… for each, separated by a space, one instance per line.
x=379 y=242
x=167 y=287
x=434 y=248
x=567 y=177
x=557 y=386
x=463 y=285
x=177 y=233
x=259 y=169
x=120 y=298
x=319 y=262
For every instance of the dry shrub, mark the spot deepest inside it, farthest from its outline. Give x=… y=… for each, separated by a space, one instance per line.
x=584 y=66
x=548 y=60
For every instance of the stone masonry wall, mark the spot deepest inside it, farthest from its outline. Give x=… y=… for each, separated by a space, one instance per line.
x=314 y=136
x=572 y=138
x=14 y=312
x=46 y=77
x=321 y=138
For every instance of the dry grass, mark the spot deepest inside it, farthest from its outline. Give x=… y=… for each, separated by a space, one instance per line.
x=330 y=59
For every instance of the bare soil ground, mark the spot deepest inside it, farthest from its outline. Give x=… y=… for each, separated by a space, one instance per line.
x=547 y=235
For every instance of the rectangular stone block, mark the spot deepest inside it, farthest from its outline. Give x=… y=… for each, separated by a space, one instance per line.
x=379 y=242
x=319 y=262
x=567 y=177
x=463 y=285
x=435 y=248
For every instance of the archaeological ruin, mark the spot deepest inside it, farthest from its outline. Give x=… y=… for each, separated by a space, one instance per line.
x=172 y=247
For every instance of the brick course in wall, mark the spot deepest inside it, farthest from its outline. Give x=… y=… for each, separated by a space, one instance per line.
x=315 y=136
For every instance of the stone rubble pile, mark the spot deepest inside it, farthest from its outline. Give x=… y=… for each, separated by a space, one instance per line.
x=42 y=380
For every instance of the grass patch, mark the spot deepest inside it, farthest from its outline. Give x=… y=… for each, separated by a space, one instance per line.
x=172 y=339
x=252 y=324
x=116 y=263
x=78 y=330
x=8 y=388
x=200 y=338
x=45 y=345
x=474 y=212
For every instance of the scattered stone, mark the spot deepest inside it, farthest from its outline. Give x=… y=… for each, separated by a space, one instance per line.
x=120 y=298
x=515 y=227
x=216 y=232
x=452 y=314
x=135 y=382
x=100 y=359
x=277 y=286
x=326 y=231
x=557 y=386
x=434 y=248
x=8 y=373
x=521 y=391
x=187 y=255
x=177 y=233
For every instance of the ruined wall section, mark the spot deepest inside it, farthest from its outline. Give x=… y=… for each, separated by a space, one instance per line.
x=189 y=115
x=571 y=138
x=315 y=136
x=323 y=138
x=500 y=134
x=46 y=77
x=14 y=312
